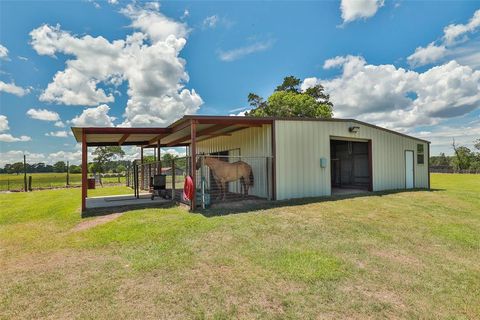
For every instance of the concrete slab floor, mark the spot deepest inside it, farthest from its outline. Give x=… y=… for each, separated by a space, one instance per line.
x=123 y=200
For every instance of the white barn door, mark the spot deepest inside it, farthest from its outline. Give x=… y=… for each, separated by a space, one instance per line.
x=409 y=173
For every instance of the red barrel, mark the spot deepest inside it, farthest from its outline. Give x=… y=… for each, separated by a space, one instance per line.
x=91 y=183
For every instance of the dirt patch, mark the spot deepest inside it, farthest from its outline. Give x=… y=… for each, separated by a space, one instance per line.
x=398 y=257
x=88 y=224
x=379 y=294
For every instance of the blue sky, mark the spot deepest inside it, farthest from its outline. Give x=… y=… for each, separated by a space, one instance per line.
x=408 y=65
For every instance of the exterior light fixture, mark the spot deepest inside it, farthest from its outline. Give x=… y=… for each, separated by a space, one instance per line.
x=354 y=129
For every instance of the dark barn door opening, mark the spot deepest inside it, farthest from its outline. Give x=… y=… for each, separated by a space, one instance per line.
x=350 y=166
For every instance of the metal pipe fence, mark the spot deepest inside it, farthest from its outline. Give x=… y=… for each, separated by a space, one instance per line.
x=140 y=176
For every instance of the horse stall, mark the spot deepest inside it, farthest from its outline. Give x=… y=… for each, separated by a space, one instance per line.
x=226 y=178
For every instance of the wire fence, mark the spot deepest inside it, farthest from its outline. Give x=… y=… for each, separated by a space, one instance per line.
x=452 y=170
x=40 y=181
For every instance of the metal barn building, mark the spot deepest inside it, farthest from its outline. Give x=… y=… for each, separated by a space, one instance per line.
x=289 y=157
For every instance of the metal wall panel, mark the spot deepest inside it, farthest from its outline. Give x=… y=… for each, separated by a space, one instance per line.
x=301 y=144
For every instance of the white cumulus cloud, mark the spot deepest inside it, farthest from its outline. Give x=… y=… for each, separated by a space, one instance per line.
x=43 y=114
x=58 y=134
x=94 y=117
x=427 y=55
x=75 y=156
x=398 y=98
x=7 y=137
x=451 y=46
x=13 y=156
x=13 y=89
x=148 y=60
x=3 y=52
x=3 y=123
x=453 y=32
x=359 y=9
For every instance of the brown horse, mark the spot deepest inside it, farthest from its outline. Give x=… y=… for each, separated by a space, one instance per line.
x=224 y=172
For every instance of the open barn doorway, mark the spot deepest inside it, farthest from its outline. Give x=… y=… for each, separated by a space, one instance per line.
x=351 y=166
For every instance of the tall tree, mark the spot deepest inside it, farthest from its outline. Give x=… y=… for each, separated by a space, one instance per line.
x=103 y=155
x=60 y=166
x=17 y=167
x=289 y=100
x=463 y=156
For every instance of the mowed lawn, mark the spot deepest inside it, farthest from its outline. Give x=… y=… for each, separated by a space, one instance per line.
x=399 y=255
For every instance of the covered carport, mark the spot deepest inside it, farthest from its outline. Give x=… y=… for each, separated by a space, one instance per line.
x=187 y=132
x=96 y=137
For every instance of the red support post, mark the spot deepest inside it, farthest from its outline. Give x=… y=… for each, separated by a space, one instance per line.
x=141 y=169
x=84 y=169
x=193 y=152
x=159 y=158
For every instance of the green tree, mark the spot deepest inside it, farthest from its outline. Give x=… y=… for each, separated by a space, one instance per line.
x=120 y=168
x=60 y=166
x=477 y=144
x=289 y=101
x=440 y=160
x=463 y=157
x=168 y=157
x=17 y=167
x=75 y=169
x=103 y=155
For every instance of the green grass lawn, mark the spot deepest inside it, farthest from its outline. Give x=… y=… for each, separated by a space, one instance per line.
x=399 y=255
x=46 y=180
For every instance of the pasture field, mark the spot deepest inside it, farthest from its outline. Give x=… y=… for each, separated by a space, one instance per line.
x=392 y=255
x=46 y=180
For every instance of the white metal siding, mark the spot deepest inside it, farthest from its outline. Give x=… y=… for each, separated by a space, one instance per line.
x=252 y=142
x=301 y=144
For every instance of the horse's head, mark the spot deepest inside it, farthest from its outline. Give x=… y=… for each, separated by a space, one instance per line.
x=198 y=165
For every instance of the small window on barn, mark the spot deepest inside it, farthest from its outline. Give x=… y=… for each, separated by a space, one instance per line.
x=420 y=148
x=420 y=154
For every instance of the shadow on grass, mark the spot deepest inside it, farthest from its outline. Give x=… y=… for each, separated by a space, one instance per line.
x=239 y=207
x=96 y=212
x=236 y=207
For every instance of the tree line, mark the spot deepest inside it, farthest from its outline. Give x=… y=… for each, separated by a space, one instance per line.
x=102 y=163
x=117 y=166
x=463 y=158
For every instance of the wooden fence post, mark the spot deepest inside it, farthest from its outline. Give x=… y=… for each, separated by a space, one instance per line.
x=68 y=173
x=173 y=179
x=29 y=183
x=25 y=173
